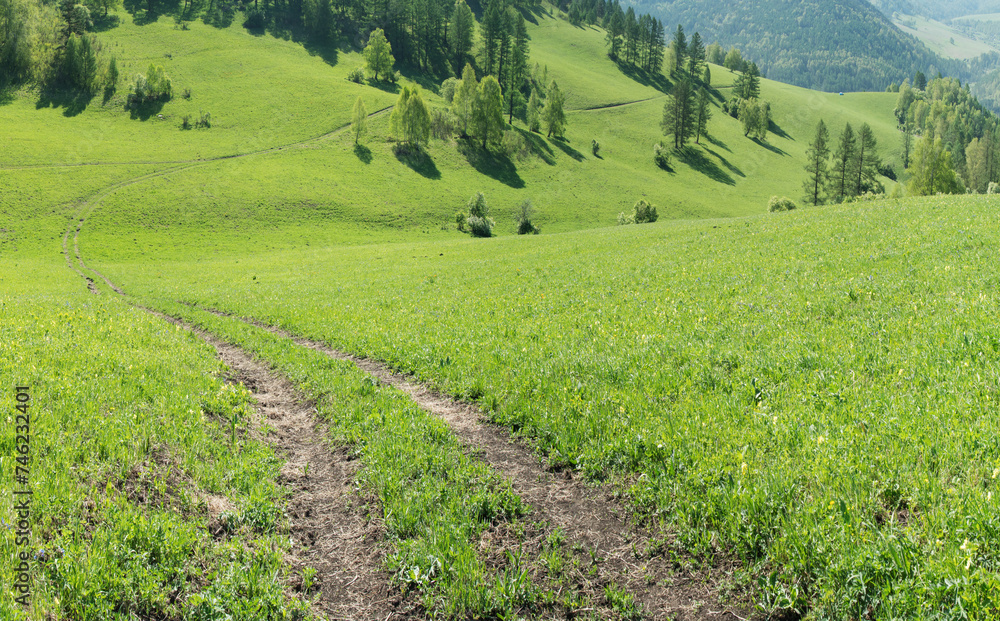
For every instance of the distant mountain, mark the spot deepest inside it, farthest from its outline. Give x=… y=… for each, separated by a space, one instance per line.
x=829 y=45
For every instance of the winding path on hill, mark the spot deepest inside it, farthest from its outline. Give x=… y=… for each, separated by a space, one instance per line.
x=592 y=520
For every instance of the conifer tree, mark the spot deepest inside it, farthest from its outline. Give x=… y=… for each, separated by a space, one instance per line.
x=816 y=166
x=553 y=113
x=465 y=97
x=866 y=161
x=463 y=27
x=534 y=111
x=696 y=57
x=679 y=113
x=680 y=47
x=842 y=159
x=704 y=115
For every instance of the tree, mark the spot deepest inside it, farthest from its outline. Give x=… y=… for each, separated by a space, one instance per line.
x=977 y=156
x=615 y=25
x=696 y=57
x=465 y=97
x=359 y=122
x=479 y=221
x=553 y=113
x=463 y=26
x=747 y=85
x=534 y=111
x=866 y=162
x=680 y=47
x=487 y=111
x=679 y=113
x=734 y=60
x=842 y=163
x=920 y=81
x=378 y=54
x=932 y=170
x=907 y=142
x=704 y=115
x=707 y=77
x=410 y=120
x=517 y=70
x=816 y=165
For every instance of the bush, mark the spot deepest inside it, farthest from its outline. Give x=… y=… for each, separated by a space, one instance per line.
x=443 y=124
x=461 y=220
x=993 y=188
x=479 y=222
x=186 y=121
x=356 y=75
x=204 y=121
x=395 y=77
x=642 y=212
x=154 y=86
x=661 y=155
x=595 y=147
x=780 y=204
x=524 y=214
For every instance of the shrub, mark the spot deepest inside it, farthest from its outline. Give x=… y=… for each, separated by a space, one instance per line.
x=642 y=212
x=595 y=147
x=443 y=124
x=205 y=120
x=780 y=204
x=479 y=222
x=461 y=219
x=395 y=77
x=356 y=75
x=186 y=121
x=187 y=93
x=154 y=86
x=661 y=155
x=524 y=214
x=993 y=188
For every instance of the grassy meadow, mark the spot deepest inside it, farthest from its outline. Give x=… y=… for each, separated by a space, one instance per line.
x=813 y=394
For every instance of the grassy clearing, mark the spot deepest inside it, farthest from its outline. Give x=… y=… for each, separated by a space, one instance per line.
x=815 y=391
x=941 y=38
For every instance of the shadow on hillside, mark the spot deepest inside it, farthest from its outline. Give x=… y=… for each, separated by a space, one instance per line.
x=364 y=153
x=145 y=12
x=694 y=158
x=145 y=110
x=73 y=102
x=382 y=85
x=417 y=160
x=495 y=165
x=103 y=23
x=538 y=146
x=532 y=13
x=563 y=145
x=657 y=81
x=770 y=147
x=775 y=129
x=7 y=91
x=729 y=166
x=717 y=142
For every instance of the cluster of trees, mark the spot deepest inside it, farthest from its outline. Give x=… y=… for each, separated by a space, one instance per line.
x=745 y=103
x=638 y=42
x=48 y=43
x=853 y=169
x=688 y=107
x=944 y=111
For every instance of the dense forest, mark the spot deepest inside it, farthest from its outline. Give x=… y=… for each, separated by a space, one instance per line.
x=937 y=9
x=829 y=45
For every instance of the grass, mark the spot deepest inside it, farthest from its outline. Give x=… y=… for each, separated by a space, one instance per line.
x=814 y=391
x=941 y=38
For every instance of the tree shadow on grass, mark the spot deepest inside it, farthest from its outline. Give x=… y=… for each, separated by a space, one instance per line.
x=143 y=111
x=770 y=147
x=717 y=142
x=73 y=102
x=653 y=80
x=538 y=146
x=775 y=129
x=495 y=165
x=417 y=159
x=694 y=158
x=364 y=153
x=382 y=85
x=729 y=166
x=563 y=145
x=7 y=91
x=103 y=23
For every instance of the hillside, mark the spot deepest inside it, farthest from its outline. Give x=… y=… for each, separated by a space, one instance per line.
x=828 y=45
x=256 y=374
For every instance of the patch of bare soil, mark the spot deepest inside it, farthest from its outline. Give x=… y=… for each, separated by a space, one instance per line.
x=596 y=526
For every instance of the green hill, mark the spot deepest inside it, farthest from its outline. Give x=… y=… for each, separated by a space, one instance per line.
x=798 y=407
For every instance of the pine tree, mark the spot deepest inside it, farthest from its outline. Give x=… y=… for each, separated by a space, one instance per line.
x=679 y=113
x=680 y=47
x=842 y=164
x=359 y=121
x=465 y=97
x=704 y=115
x=707 y=77
x=696 y=57
x=816 y=166
x=463 y=27
x=553 y=113
x=378 y=53
x=866 y=162
x=518 y=69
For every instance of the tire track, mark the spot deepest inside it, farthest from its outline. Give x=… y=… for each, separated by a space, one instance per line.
x=588 y=515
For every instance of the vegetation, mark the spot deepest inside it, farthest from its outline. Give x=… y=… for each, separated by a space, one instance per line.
x=642 y=213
